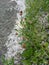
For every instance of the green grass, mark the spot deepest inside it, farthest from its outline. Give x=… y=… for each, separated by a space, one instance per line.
x=34 y=33
x=7 y=61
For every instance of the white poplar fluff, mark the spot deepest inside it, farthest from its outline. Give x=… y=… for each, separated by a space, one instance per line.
x=12 y=44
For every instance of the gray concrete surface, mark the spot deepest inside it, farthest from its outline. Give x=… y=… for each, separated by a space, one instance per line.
x=7 y=21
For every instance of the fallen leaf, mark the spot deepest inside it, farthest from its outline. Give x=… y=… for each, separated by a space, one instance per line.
x=16 y=33
x=23 y=45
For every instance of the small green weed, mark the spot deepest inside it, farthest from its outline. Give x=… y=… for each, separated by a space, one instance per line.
x=7 y=62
